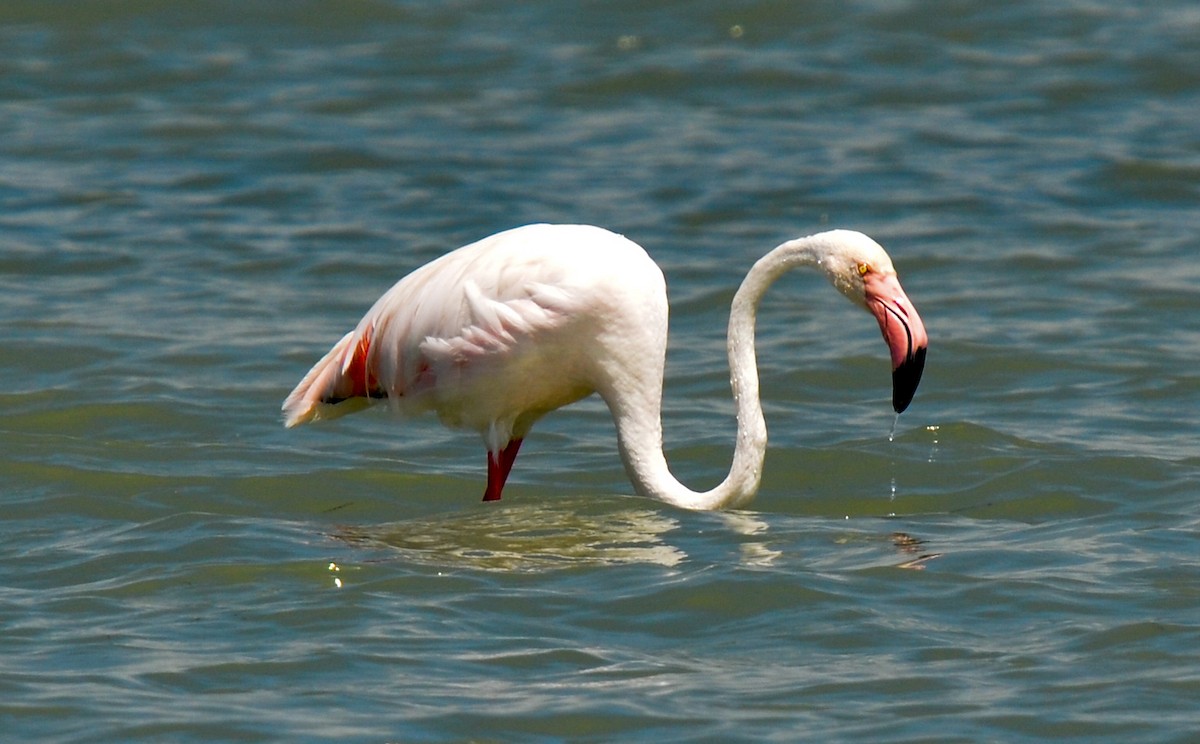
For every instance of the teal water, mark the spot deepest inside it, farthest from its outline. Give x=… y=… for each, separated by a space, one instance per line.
x=197 y=200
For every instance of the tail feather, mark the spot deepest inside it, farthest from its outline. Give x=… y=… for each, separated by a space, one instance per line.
x=340 y=383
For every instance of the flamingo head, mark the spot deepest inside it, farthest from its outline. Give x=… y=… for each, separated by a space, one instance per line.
x=862 y=270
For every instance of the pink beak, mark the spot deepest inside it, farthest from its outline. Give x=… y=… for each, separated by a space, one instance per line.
x=902 y=330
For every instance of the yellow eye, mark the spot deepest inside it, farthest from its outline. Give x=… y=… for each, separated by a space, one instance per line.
x=863 y=269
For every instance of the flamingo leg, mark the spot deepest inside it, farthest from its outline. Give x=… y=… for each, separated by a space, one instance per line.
x=499 y=465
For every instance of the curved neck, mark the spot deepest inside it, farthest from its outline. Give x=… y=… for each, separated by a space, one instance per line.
x=637 y=406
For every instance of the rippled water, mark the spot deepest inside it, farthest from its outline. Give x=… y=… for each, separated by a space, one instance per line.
x=198 y=199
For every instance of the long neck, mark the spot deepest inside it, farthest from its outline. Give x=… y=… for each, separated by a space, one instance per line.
x=638 y=414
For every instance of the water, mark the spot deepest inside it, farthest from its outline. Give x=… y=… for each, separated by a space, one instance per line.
x=198 y=199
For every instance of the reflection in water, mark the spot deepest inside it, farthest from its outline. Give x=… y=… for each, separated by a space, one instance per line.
x=561 y=534
x=569 y=534
x=906 y=543
x=913 y=549
x=753 y=552
x=527 y=537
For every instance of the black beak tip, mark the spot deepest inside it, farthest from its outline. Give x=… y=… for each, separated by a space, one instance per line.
x=906 y=378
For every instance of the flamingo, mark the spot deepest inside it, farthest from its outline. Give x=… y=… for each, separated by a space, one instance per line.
x=498 y=333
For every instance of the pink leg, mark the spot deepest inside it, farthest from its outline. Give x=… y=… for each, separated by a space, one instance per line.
x=499 y=466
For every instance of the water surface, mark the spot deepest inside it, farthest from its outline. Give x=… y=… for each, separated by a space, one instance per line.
x=198 y=201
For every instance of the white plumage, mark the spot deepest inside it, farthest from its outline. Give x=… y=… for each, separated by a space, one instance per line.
x=498 y=333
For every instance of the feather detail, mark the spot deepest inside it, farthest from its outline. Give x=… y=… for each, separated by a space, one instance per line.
x=323 y=393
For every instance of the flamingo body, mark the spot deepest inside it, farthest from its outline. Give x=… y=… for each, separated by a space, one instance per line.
x=498 y=333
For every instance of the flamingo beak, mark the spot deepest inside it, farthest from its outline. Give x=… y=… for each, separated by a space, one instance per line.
x=902 y=330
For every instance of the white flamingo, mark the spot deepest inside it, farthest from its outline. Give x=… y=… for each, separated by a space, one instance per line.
x=497 y=334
